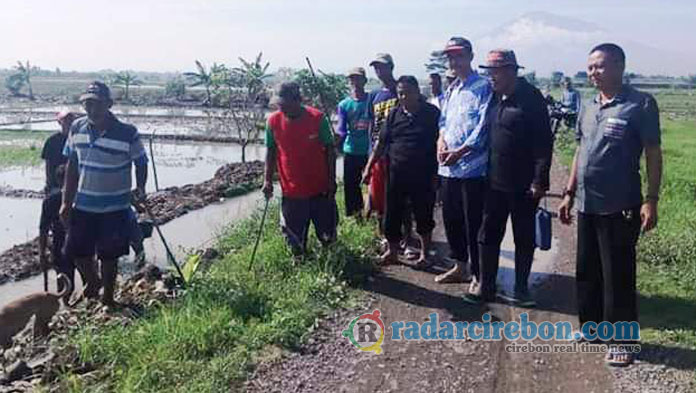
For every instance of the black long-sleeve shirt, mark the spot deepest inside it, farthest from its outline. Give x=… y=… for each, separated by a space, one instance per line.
x=520 y=140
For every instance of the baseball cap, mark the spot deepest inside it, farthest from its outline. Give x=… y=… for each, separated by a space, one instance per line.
x=96 y=91
x=383 y=58
x=357 y=71
x=457 y=44
x=499 y=58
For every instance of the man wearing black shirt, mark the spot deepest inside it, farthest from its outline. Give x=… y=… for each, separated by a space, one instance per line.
x=52 y=151
x=520 y=159
x=409 y=141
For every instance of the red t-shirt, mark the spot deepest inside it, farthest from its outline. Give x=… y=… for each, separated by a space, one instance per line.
x=301 y=146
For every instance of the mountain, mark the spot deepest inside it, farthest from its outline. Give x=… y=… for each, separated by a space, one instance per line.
x=545 y=42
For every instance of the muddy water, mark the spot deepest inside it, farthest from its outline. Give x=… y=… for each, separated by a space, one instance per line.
x=19 y=221
x=177 y=164
x=195 y=230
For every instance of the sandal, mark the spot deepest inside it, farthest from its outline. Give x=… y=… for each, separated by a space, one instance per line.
x=451 y=277
x=422 y=264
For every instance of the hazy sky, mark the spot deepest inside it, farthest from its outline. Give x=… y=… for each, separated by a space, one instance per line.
x=160 y=35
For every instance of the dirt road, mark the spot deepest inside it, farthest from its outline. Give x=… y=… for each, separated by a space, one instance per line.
x=329 y=363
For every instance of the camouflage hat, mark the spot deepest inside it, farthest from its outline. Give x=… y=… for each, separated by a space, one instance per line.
x=96 y=91
x=382 y=58
x=499 y=58
x=357 y=71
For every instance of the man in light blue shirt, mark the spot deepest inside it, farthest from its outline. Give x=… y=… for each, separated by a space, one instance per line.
x=463 y=157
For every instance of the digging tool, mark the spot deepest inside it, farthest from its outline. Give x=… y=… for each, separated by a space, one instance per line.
x=170 y=255
x=152 y=158
x=258 y=237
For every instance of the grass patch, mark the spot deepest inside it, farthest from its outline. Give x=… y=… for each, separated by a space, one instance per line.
x=21 y=148
x=667 y=256
x=20 y=155
x=207 y=341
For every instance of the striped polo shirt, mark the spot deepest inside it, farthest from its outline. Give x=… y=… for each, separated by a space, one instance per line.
x=105 y=164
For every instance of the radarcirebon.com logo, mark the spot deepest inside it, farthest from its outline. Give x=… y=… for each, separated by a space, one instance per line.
x=366 y=332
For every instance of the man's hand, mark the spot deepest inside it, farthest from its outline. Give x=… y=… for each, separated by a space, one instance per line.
x=441 y=150
x=267 y=189
x=648 y=216
x=537 y=192
x=64 y=214
x=564 y=209
x=452 y=156
x=139 y=195
x=366 y=175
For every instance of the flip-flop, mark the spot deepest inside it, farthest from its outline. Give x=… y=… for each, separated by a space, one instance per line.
x=449 y=278
x=422 y=264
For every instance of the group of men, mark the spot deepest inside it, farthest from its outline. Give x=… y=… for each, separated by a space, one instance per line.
x=87 y=208
x=485 y=145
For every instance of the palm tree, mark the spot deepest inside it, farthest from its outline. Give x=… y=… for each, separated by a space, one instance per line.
x=203 y=78
x=126 y=79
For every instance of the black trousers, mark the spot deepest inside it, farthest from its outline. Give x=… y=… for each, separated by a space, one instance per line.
x=353 y=166
x=498 y=207
x=404 y=186
x=606 y=266
x=462 y=213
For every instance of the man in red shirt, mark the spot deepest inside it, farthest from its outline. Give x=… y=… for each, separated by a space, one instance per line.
x=300 y=145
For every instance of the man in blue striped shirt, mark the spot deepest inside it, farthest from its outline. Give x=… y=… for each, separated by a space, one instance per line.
x=463 y=157
x=101 y=152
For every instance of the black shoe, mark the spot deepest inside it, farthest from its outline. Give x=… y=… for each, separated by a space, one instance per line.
x=520 y=299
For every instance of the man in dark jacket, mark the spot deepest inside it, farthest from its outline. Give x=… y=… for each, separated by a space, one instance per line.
x=520 y=158
x=408 y=141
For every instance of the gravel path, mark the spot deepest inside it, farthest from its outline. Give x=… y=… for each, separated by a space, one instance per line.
x=329 y=363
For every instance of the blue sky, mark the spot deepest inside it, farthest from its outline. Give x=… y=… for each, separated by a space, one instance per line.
x=169 y=35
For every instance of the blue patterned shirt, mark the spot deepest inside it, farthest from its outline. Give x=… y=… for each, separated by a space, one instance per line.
x=462 y=122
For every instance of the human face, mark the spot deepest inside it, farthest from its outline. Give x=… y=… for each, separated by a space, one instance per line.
x=383 y=71
x=604 y=71
x=96 y=109
x=408 y=95
x=357 y=83
x=290 y=107
x=459 y=60
x=503 y=79
x=65 y=123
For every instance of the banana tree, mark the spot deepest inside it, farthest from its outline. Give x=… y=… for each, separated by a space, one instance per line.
x=126 y=79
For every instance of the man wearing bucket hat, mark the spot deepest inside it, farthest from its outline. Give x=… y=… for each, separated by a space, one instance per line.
x=518 y=174
x=300 y=145
x=463 y=158
x=353 y=131
x=101 y=152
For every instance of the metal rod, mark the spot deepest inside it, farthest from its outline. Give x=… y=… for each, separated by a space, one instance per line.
x=152 y=157
x=258 y=237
